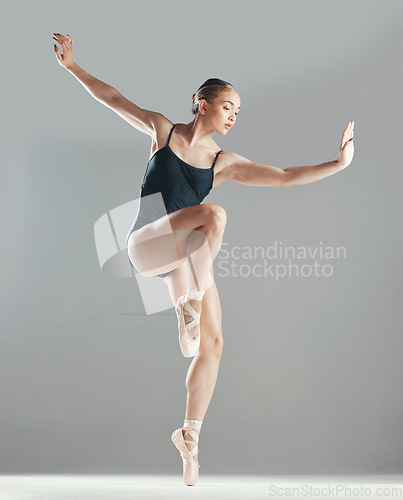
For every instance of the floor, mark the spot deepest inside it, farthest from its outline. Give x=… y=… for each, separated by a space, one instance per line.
x=75 y=487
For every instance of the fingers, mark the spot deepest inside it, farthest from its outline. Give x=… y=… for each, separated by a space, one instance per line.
x=58 y=37
x=349 y=128
x=58 y=55
x=63 y=40
x=348 y=134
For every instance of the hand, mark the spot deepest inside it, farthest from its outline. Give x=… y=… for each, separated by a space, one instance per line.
x=346 y=152
x=65 y=59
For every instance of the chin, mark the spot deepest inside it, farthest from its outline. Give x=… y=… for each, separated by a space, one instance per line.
x=225 y=131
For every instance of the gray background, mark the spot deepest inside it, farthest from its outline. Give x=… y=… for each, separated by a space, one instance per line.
x=310 y=377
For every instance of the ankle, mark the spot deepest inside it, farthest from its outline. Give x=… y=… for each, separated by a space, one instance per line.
x=190 y=424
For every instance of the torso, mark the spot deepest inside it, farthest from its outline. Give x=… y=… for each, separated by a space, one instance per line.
x=201 y=157
x=189 y=187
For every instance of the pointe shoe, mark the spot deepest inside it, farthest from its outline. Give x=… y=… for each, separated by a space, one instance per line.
x=189 y=346
x=190 y=464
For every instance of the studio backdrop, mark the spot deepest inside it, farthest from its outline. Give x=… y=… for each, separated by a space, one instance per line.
x=309 y=276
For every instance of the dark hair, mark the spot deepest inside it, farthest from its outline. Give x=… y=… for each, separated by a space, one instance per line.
x=209 y=90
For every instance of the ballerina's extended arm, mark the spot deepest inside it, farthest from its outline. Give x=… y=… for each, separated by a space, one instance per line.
x=143 y=120
x=244 y=171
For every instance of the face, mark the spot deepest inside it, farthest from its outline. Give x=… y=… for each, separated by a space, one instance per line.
x=224 y=111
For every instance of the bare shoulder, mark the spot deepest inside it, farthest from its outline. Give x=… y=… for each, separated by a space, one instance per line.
x=229 y=159
x=161 y=125
x=224 y=168
x=161 y=129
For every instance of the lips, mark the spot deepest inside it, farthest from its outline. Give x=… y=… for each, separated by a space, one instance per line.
x=228 y=126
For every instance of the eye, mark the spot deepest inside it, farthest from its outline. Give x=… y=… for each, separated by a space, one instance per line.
x=229 y=110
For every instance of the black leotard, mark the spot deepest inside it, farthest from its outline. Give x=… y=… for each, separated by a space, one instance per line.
x=180 y=184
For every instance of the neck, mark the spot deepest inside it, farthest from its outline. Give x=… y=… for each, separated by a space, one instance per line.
x=197 y=133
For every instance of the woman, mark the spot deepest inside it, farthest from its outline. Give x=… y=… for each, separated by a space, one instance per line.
x=177 y=238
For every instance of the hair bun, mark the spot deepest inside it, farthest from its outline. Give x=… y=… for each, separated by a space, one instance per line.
x=213 y=81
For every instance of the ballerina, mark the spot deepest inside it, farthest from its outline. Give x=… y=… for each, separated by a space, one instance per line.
x=176 y=237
